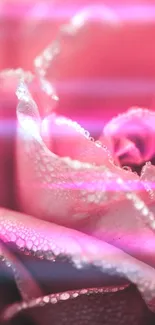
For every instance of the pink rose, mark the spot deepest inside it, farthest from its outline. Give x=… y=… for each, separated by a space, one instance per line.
x=77 y=215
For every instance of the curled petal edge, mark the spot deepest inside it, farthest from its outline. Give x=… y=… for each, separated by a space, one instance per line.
x=82 y=250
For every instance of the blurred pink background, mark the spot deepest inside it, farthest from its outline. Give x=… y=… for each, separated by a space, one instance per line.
x=120 y=61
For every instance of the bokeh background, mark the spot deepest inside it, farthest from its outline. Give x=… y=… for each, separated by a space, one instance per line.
x=107 y=66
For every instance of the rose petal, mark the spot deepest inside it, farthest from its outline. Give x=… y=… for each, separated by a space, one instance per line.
x=74 y=189
x=102 y=82
x=123 y=226
x=9 y=80
x=148 y=178
x=9 y=292
x=100 y=219
x=21 y=275
x=124 y=151
x=87 y=307
x=67 y=139
x=44 y=95
x=136 y=126
x=8 y=102
x=31 y=235
x=14 y=278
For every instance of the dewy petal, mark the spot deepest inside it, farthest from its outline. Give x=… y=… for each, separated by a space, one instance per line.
x=102 y=82
x=65 y=191
x=125 y=150
x=8 y=103
x=137 y=126
x=21 y=275
x=67 y=138
x=123 y=226
x=93 y=306
x=45 y=96
x=32 y=236
x=148 y=179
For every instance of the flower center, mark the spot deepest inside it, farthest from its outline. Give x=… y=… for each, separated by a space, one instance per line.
x=132 y=136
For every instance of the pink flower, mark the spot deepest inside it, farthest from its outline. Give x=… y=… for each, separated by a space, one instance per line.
x=77 y=217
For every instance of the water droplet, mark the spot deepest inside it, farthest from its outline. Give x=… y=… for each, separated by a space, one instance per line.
x=148 y=163
x=65 y=296
x=87 y=134
x=127 y=168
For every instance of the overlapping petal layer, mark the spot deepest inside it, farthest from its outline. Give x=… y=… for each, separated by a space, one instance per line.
x=65 y=177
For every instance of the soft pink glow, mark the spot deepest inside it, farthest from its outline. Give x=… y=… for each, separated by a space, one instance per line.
x=49 y=10
x=75 y=198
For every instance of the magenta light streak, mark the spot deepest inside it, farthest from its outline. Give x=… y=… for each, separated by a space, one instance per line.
x=108 y=87
x=110 y=186
x=7 y=127
x=136 y=13
x=130 y=13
